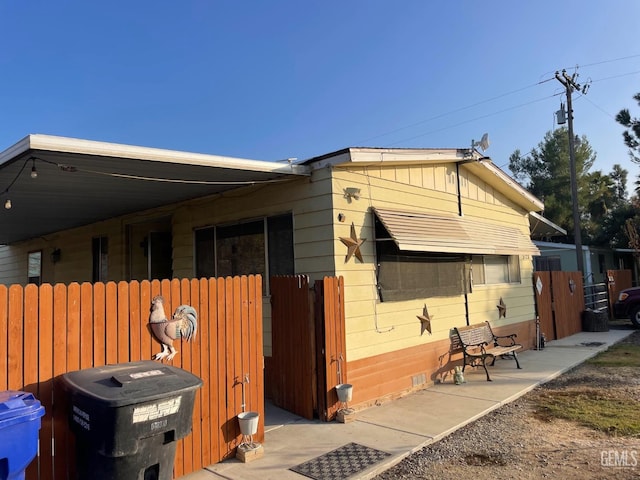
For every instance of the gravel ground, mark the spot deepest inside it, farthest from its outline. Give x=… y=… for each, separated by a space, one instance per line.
x=515 y=442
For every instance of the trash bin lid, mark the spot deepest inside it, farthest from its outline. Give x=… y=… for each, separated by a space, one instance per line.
x=130 y=383
x=16 y=406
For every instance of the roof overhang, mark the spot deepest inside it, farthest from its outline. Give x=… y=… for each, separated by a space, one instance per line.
x=544 y=228
x=422 y=232
x=478 y=165
x=80 y=182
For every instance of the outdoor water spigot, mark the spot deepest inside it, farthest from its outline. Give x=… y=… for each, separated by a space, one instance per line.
x=245 y=380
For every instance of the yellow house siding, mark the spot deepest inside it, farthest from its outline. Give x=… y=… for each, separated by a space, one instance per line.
x=13 y=261
x=375 y=328
x=518 y=298
x=75 y=246
x=309 y=201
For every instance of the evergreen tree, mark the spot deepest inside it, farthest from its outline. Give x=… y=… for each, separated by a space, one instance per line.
x=545 y=172
x=632 y=135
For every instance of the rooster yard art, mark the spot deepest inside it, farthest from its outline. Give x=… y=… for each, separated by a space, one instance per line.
x=183 y=324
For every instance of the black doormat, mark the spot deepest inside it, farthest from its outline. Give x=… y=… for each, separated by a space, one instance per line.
x=340 y=463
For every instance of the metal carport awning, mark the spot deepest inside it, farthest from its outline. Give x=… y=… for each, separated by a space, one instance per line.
x=423 y=232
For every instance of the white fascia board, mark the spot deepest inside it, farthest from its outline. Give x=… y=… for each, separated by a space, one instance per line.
x=548 y=222
x=488 y=166
x=398 y=156
x=15 y=150
x=395 y=156
x=91 y=147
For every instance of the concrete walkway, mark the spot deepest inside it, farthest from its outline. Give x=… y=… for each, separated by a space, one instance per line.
x=403 y=426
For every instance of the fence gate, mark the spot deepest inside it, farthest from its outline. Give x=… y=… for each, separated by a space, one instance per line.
x=291 y=378
x=544 y=303
x=308 y=345
x=331 y=344
x=560 y=303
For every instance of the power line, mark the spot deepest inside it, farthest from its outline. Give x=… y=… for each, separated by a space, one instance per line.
x=390 y=132
x=617 y=76
x=452 y=112
x=597 y=106
x=606 y=61
x=473 y=119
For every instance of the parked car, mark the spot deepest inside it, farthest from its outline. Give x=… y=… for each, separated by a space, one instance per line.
x=627 y=305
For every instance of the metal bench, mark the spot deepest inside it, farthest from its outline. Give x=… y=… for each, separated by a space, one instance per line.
x=478 y=343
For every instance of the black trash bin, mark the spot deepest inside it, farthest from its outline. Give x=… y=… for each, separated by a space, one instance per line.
x=127 y=418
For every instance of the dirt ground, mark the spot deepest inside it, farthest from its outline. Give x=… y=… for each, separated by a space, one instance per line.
x=515 y=441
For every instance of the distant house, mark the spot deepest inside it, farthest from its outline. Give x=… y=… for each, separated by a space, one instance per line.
x=558 y=256
x=436 y=233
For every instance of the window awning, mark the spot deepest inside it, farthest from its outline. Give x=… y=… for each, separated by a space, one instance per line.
x=422 y=232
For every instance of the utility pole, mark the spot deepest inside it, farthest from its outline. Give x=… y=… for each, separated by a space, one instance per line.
x=570 y=85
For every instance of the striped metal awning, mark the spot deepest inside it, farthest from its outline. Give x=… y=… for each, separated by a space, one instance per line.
x=423 y=232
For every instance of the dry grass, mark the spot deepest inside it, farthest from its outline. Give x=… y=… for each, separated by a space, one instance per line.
x=609 y=406
x=620 y=355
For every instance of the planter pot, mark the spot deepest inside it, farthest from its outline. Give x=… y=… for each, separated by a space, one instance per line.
x=344 y=391
x=248 y=422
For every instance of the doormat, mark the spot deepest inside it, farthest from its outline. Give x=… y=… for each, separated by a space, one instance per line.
x=341 y=463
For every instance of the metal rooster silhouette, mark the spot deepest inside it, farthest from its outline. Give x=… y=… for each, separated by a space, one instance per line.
x=183 y=324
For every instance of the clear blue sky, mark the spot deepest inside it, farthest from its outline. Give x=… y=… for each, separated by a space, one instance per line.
x=276 y=79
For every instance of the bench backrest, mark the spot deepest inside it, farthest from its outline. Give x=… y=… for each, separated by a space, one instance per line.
x=472 y=335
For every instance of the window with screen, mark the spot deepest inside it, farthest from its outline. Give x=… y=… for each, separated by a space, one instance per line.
x=408 y=275
x=494 y=269
x=262 y=247
x=34 y=267
x=100 y=254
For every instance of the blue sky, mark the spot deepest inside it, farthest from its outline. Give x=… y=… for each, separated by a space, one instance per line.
x=276 y=79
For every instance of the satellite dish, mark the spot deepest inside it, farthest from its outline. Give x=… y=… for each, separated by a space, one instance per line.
x=483 y=143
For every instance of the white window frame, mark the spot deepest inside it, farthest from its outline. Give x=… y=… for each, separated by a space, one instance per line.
x=496 y=269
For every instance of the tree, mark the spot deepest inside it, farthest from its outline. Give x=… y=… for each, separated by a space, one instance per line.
x=544 y=171
x=608 y=226
x=619 y=177
x=632 y=135
x=602 y=198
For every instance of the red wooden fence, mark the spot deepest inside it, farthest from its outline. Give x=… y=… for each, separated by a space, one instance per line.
x=47 y=331
x=560 y=303
x=291 y=378
x=332 y=346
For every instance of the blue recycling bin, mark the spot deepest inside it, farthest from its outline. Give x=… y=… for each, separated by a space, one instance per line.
x=20 y=415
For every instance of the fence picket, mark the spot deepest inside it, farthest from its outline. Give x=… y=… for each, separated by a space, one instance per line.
x=135 y=323
x=45 y=382
x=31 y=352
x=86 y=325
x=60 y=428
x=15 y=332
x=4 y=337
x=99 y=325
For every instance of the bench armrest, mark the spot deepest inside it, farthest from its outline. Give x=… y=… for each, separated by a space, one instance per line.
x=511 y=337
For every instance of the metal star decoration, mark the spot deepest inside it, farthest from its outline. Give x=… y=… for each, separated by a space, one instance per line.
x=353 y=245
x=425 y=320
x=502 y=309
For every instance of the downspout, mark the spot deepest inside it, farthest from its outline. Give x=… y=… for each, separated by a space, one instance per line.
x=466 y=297
x=458 y=188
